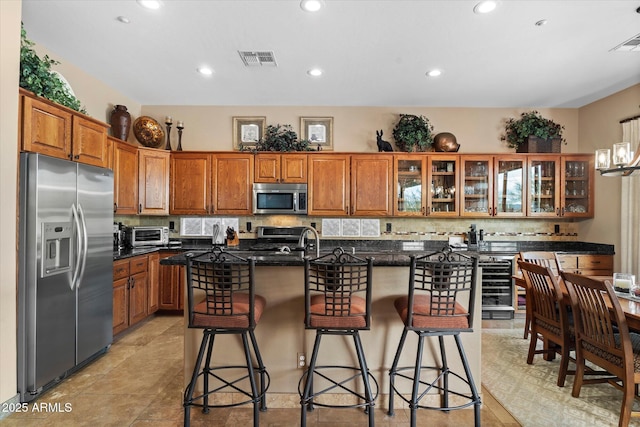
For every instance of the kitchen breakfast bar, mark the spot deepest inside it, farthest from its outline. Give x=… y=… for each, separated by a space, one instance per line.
x=282 y=337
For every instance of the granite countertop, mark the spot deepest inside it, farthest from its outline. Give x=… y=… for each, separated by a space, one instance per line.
x=384 y=252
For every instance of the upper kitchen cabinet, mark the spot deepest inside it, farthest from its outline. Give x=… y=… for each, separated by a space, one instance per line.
x=58 y=131
x=232 y=183
x=493 y=185
x=329 y=184
x=190 y=183
x=125 y=177
x=284 y=168
x=577 y=189
x=153 y=181
x=409 y=177
x=560 y=186
x=371 y=177
x=442 y=173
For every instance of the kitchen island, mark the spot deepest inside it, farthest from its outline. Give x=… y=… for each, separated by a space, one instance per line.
x=281 y=334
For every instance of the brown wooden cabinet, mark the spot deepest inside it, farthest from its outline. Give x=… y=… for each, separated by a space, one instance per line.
x=371 y=177
x=232 y=183
x=125 y=177
x=153 y=297
x=58 y=131
x=329 y=184
x=587 y=264
x=190 y=183
x=172 y=284
x=153 y=181
x=130 y=292
x=286 y=168
x=493 y=186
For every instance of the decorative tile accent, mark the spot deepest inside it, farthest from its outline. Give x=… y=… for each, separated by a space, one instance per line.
x=370 y=227
x=351 y=227
x=190 y=226
x=331 y=227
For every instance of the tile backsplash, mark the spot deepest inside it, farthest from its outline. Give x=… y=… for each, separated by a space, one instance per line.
x=403 y=228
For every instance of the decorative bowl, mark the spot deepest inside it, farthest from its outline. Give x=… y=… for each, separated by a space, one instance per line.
x=148 y=132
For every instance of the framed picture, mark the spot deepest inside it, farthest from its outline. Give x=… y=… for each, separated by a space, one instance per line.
x=318 y=131
x=247 y=131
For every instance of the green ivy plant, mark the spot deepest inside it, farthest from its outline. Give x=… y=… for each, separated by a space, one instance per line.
x=413 y=133
x=530 y=123
x=36 y=76
x=280 y=138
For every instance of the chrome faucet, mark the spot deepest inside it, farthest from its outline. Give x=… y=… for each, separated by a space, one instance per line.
x=317 y=237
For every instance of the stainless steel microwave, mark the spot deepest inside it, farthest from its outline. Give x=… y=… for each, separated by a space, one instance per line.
x=147 y=236
x=283 y=199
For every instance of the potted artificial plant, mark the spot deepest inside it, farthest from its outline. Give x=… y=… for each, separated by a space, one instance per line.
x=36 y=76
x=281 y=138
x=413 y=133
x=532 y=133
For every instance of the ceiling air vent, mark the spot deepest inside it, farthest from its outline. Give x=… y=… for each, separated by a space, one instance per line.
x=631 y=45
x=258 y=58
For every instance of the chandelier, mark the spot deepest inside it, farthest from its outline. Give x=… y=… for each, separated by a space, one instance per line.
x=624 y=162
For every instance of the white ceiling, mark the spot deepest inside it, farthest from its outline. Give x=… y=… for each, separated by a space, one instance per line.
x=374 y=53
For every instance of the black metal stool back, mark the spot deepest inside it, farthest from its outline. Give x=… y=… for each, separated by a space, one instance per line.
x=331 y=284
x=437 y=284
x=228 y=285
x=440 y=301
x=222 y=300
x=338 y=302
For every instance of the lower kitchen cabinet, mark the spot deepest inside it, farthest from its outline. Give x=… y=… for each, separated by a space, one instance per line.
x=130 y=292
x=153 y=300
x=172 y=285
x=586 y=264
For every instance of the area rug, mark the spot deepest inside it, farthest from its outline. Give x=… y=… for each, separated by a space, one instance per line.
x=530 y=393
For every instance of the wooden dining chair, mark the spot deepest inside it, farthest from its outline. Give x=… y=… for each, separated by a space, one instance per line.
x=546 y=259
x=603 y=338
x=549 y=317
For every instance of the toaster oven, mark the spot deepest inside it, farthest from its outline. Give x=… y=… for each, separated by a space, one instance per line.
x=147 y=236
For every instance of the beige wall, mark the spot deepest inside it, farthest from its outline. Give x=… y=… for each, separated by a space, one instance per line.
x=476 y=129
x=10 y=16
x=599 y=127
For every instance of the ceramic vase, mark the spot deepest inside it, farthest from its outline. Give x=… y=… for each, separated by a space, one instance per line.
x=120 y=122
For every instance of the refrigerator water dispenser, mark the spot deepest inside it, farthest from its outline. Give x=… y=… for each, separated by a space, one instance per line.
x=56 y=248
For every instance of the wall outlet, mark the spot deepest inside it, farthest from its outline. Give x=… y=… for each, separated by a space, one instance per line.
x=302 y=360
x=388 y=227
x=556 y=228
x=172 y=225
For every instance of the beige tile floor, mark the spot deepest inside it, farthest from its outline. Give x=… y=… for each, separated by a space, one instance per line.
x=139 y=383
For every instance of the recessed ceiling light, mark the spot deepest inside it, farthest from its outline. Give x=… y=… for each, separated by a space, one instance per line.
x=484 y=7
x=311 y=5
x=205 y=71
x=434 y=73
x=541 y=22
x=123 y=19
x=150 y=4
x=315 y=72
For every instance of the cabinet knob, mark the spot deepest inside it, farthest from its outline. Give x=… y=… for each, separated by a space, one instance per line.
x=140 y=208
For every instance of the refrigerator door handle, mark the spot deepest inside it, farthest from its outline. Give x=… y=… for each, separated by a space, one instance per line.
x=85 y=245
x=76 y=264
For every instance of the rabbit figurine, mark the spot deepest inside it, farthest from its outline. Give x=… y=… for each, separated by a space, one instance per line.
x=382 y=145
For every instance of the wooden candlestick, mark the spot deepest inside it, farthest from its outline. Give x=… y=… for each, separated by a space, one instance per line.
x=180 y=137
x=168 y=146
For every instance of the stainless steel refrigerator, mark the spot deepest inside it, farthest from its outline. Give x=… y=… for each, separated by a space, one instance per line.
x=65 y=289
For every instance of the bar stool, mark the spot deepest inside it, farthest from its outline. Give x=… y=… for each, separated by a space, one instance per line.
x=230 y=306
x=337 y=302
x=436 y=306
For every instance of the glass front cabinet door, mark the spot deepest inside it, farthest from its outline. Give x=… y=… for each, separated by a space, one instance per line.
x=442 y=174
x=509 y=186
x=576 y=194
x=477 y=185
x=409 y=178
x=544 y=186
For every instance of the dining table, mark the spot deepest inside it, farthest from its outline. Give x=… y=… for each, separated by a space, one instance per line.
x=630 y=305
